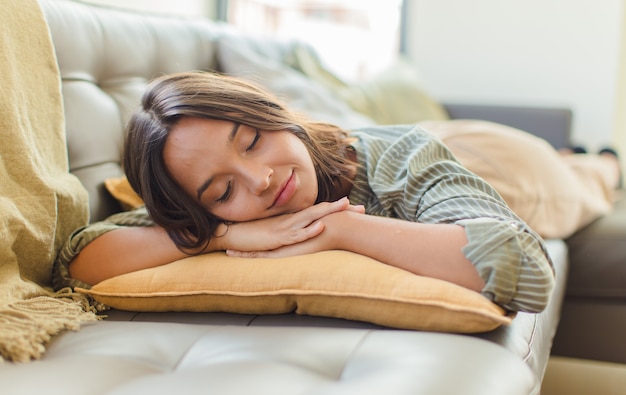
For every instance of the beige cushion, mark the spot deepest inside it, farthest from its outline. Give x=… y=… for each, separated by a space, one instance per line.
x=555 y=196
x=331 y=283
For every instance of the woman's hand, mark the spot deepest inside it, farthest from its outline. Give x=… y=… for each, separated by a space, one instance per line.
x=324 y=240
x=272 y=233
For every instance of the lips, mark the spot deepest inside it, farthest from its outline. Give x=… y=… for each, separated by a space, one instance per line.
x=286 y=191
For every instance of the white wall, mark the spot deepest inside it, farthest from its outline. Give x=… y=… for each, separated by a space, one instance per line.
x=619 y=134
x=526 y=52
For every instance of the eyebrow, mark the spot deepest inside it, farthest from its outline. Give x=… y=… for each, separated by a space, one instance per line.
x=205 y=185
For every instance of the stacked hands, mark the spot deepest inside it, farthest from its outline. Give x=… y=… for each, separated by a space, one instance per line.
x=310 y=230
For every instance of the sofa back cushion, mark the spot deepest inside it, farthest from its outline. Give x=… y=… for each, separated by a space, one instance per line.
x=106 y=57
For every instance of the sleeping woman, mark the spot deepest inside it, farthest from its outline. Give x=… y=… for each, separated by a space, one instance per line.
x=224 y=166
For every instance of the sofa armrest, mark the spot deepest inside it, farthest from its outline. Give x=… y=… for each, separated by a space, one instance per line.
x=550 y=123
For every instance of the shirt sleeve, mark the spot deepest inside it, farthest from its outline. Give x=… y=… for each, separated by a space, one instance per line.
x=416 y=178
x=85 y=235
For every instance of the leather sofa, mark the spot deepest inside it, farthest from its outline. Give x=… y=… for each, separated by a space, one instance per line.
x=593 y=320
x=105 y=57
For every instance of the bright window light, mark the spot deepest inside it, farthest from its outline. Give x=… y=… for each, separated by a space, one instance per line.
x=354 y=38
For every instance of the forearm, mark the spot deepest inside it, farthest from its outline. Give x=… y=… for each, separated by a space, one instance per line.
x=502 y=259
x=432 y=250
x=125 y=250
x=125 y=244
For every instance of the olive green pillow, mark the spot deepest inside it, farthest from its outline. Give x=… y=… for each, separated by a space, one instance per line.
x=331 y=283
x=392 y=97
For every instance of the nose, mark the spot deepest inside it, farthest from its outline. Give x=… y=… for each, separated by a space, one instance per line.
x=257 y=177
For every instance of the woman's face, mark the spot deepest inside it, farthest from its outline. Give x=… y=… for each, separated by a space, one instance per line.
x=239 y=173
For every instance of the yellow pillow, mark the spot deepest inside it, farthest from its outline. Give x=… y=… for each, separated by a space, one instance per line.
x=121 y=190
x=331 y=283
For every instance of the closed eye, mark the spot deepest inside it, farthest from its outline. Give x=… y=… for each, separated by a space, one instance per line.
x=257 y=136
x=227 y=193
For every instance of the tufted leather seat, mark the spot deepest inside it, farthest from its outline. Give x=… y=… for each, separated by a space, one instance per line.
x=145 y=358
x=105 y=58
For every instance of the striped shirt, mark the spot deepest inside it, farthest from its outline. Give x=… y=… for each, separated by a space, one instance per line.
x=407 y=173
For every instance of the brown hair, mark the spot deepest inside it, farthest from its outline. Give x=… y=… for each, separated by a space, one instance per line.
x=213 y=96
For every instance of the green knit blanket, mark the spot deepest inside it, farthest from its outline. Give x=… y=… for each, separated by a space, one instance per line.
x=41 y=203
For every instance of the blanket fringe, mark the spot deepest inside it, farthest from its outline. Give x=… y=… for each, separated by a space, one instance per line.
x=26 y=326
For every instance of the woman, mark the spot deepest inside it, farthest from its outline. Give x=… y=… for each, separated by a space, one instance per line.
x=222 y=165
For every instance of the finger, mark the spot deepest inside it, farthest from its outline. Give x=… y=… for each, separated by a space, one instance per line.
x=302 y=234
x=282 y=252
x=254 y=254
x=290 y=250
x=244 y=254
x=313 y=213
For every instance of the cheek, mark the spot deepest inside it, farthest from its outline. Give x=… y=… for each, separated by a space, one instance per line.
x=310 y=201
x=311 y=177
x=308 y=190
x=238 y=210
x=302 y=154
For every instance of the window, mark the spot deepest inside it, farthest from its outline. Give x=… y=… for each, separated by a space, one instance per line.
x=179 y=7
x=354 y=38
